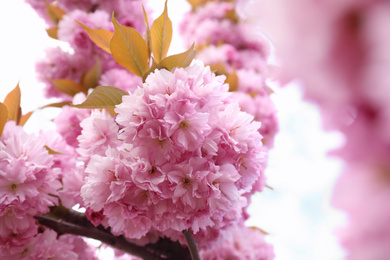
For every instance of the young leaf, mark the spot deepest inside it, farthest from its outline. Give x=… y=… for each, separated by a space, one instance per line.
x=51 y=151
x=68 y=86
x=3 y=117
x=148 y=37
x=59 y=104
x=152 y=68
x=196 y=3
x=55 y=13
x=232 y=15
x=161 y=35
x=129 y=49
x=90 y=80
x=232 y=80
x=218 y=69
x=179 y=60
x=259 y=230
x=52 y=32
x=12 y=101
x=111 y=111
x=100 y=37
x=103 y=97
x=24 y=118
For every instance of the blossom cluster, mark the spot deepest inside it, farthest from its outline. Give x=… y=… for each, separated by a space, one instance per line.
x=180 y=155
x=339 y=50
x=232 y=46
x=242 y=243
x=29 y=183
x=83 y=55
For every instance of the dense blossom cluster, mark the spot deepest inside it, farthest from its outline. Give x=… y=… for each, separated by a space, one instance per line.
x=340 y=52
x=84 y=54
x=241 y=243
x=230 y=45
x=129 y=12
x=179 y=155
x=29 y=186
x=186 y=156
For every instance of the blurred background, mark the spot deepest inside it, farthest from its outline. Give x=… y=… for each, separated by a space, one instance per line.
x=297 y=212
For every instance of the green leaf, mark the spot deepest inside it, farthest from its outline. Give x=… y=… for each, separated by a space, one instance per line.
x=100 y=37
x=179 y=60
x=68 y=86
x=91 y=79
x=148 y=37
x=24 y=118
x=3 y=117
x=103 y=97
x=129 y=49
x=12 y=101
x=161 y=35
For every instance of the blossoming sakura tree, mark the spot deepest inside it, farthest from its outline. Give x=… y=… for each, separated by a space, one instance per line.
x=163 y=153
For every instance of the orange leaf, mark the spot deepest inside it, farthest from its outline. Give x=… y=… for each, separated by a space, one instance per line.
x=179 y=60
x=51 y=151
x=90 y=80
x=68 y=86
x=3 y=117
x=129 y=49
x=24 y=118
x=196 y=3
x=12 y=101
x=59 y=104
x=232 y=80
x=218 y=69
x=148 y=37
x=259 y=230
x=152 y=68
x=111 y=111
x=103 y=97
x=52 y=32
x=54 y=12
x=161 y=34
x=100 y=37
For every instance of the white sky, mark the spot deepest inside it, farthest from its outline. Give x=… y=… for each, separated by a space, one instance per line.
x=297 y=213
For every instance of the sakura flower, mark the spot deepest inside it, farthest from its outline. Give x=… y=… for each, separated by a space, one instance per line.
x=243 y=243
x=59 y=65
x=68 y=121
x=99 y=131
x=28 y=185
x=366 y=233
x=120 y=78
x=70 y=31
x=185 y=158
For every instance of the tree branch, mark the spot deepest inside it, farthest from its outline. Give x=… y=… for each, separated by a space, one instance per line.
x=192 y=245
x=65 y=221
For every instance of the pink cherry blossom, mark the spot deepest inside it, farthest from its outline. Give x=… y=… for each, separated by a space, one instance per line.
x=243 y=243
x=187 y=156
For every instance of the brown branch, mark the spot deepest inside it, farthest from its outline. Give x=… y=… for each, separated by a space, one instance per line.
x=65 y=221
x=192 y=245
